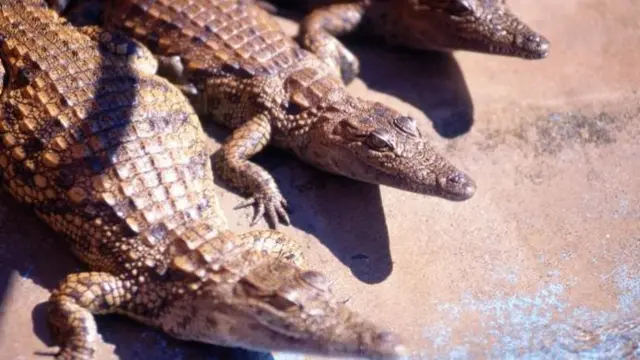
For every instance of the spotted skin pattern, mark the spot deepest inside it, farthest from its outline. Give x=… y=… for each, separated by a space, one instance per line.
x=113 y=158
x=244 y=72
x=486 y=26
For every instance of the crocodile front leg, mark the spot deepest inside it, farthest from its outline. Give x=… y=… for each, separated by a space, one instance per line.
x=233 y=166
x=71 y=309
x=318 y=33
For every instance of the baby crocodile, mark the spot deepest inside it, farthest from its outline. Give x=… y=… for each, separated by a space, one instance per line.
x=487 y=26
x=113 y=157
x=250 y=76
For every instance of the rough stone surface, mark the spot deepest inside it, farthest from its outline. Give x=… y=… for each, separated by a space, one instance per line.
x=550 y=240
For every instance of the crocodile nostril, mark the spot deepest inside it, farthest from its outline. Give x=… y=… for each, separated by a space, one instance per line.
x=457 y=179
x=543 y=46
x=458 y=186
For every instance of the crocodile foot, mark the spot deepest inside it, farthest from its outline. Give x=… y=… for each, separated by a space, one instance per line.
x=318 y=34
x=333 y=53
x=74 y=354
x=273 y=204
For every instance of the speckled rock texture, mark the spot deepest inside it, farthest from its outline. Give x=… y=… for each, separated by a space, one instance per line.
x=542 y=262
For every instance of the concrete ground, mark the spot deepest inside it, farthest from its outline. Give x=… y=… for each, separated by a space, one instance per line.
x=542 y=263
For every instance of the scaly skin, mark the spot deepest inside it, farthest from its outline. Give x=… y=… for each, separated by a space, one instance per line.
x=250 y=76
x=486 y=26
x=113 y=158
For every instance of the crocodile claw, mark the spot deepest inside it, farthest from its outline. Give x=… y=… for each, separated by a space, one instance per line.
x=77 y=354
x=273 y=205
x=348 y=63
x=333 y=53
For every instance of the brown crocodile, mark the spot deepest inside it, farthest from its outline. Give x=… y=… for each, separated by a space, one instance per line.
x=487 y=26
x=250 y=76
x=113 y=158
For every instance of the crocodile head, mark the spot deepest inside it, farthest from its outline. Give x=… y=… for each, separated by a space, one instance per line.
x=278 y=307
x=487 y=26
x=371 y=142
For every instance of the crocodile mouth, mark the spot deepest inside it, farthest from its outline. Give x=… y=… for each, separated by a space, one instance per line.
x=529 y=47
x=532 y=46
x=449 y=184
x=541 y=53
x=511 y=38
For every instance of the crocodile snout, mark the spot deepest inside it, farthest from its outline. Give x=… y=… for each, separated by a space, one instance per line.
x=533 y=46
x=457 y=187
x=542 y=46
x=386 y=345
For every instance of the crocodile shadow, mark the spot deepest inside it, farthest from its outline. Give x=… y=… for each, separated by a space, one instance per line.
x=26 y=252
x=344 y=214
x=431 y=81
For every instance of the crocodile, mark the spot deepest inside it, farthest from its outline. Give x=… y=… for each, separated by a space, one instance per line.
x=113 y=158
x=241 y=69
x=486 y=26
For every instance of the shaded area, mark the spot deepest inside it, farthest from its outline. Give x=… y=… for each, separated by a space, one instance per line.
x=431 y=81
x=344 y=214
x=6 y=284
x=133 y=340
x=347 y=216
x=29 y=249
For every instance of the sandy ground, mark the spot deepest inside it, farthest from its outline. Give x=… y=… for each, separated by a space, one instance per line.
x=542 y=262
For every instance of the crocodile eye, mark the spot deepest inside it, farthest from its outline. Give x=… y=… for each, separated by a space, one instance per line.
x=379 y=140
x=460 y=7
x=407 y=125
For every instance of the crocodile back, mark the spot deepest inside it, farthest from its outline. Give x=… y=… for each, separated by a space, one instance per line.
x=222 y=36
x=109 y=156
x=232 y=39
